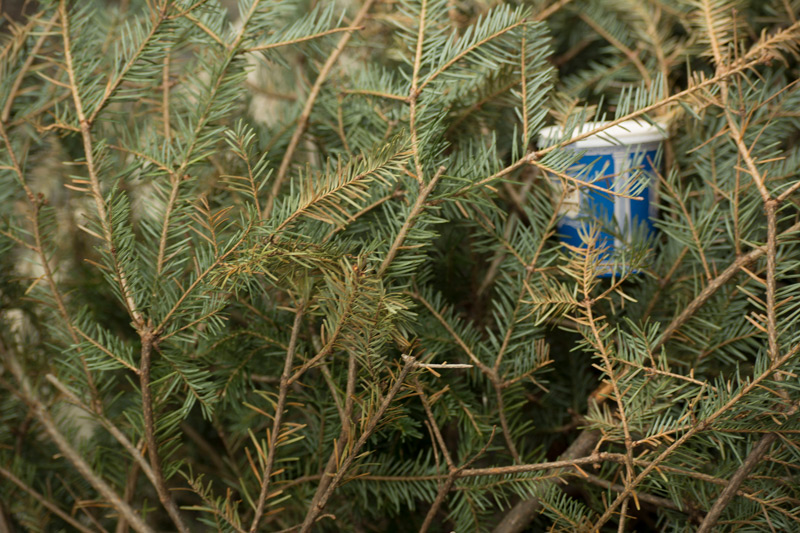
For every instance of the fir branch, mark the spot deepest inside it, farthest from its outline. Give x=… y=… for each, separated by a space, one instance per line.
x=416 y=210
x=319 y=504
x=32 y=56
x=752 y=58
x=148 y=340
x=277 y=419
x=94 y=179
x=110 y=427
x=752 y=460
x=632 y=55
x=305 y=114
x=518 y=518
x=713 y=286
x=269 y=46
x=41 y=499
x=699 y=426
x=41 y=412
x=35 y=204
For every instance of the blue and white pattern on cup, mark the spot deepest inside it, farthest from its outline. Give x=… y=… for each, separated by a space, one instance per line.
x=618 y=217
x=610 y=160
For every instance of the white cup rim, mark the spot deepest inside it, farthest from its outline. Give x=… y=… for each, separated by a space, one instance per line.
x=629 y=132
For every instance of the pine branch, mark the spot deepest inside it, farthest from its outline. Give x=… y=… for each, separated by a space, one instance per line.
x=31 y=57
x=41 y=412
x=319 y=504
x=752 y=460
x=94 y=180
x=277 y=419
x=699 y=426
x=419 y=205
x=302 y=120
x=148 y=340
x=518 y=518
x=41 y=499
x=714 y=285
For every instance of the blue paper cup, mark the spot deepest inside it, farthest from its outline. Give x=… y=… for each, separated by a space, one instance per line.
x=611 y=160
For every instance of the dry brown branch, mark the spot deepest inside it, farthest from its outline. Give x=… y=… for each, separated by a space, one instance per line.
x=42 y=414
x=518 y=518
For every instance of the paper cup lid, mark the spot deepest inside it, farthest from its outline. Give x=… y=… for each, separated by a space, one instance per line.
x=630 y=132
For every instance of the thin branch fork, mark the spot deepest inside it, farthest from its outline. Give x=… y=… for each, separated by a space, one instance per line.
x=518 y=518
x=319 y=504
x=453 y=470
x=110 y=427
x=419 y=205
x=345 y=435
x=602 y=349
x=715 y=284
x=448 y=484
x=698 y=427
x=71 y=454
x=278 y=418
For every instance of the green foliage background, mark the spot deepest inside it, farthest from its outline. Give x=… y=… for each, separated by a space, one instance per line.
x=293 y=265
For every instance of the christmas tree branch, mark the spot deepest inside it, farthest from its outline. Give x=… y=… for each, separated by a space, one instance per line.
x=305 y=114
x=752 y=460
x=277 y=419
x=148 y=340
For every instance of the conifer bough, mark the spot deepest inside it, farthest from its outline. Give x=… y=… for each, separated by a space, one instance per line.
x=293 y=266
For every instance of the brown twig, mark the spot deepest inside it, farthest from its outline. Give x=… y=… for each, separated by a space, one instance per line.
x=700 y=425
x=150 y=433
x=42 y=500
x=35 y=204
x=713 y=286
x=317 y=507
x=727 y=494
x=277 y=418
x=94 y=179
x=419 y=205
x=31 y=56
x=657 y=501
x=518 y=518
x=67 y=451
